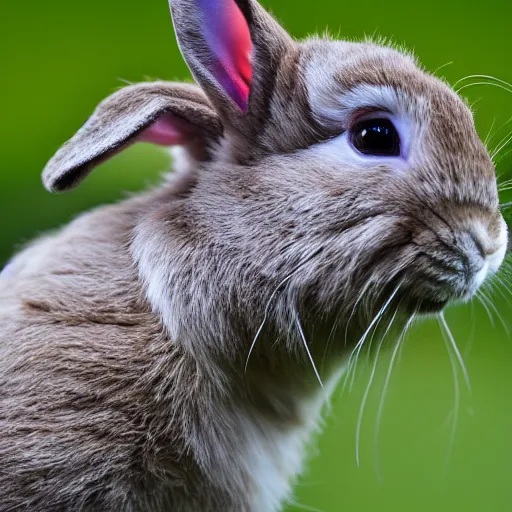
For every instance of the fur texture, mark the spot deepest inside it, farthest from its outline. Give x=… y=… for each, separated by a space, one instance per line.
x=125 y=377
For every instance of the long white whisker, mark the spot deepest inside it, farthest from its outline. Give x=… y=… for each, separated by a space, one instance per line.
x=505 y=185
x=385 y=391
x=368 y=388
x=500 y=286
x=456 y=389
x=486 y=141
x=472 y=84
x=493 y=307
x=441 y=67
x=481 y=300
x=267 y=309
x=270 y=302
x=307 y=508
x=299 y=327
x=486 y=77
x=361 y=295
x=444 y=323
x=507 y=135
x=510 y=179
x=506 y=182
x=357 y=349
x=501 y=145
x=471 y=336
x=356 y=359
x=330 y=338
x=497 y=160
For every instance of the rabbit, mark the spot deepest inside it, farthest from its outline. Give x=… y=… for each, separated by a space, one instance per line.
x=175 y=351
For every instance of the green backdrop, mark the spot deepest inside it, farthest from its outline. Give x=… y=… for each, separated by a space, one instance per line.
x=60 y=58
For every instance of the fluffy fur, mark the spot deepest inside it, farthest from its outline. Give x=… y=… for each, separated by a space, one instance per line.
x=124 y=339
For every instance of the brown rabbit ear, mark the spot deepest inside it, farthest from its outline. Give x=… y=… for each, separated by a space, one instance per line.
x=160 y=112
x=233 y=49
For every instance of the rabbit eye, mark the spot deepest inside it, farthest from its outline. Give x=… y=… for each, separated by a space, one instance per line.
x=375 y=137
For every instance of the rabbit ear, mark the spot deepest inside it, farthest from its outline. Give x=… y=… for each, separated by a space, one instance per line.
x=232 y=48
x=160 y=112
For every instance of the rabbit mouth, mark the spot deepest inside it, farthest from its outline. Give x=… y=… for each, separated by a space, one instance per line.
x=429 y=293
x=439 y=277
x=428 y=306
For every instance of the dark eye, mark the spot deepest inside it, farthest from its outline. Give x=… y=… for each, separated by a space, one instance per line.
x=375 y=137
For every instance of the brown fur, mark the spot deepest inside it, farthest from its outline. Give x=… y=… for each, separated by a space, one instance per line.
x=124 y=338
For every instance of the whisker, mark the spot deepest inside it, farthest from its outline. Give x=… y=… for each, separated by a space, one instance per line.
x=491 y=319
x=500 y=286
x=441 y=67
x=361 y=295
x=330 y=338
x=503 y=187
x=506 y=272
x=356 y=359
x=385 y=390
x=503 y=184
x=501 y=157
x=301 y=332
x=486 y=77
x=500 y=318
x=502 y=144
x=296 y=504
x=271 y=301
x=368 y=387
x=357 y=349
x=483 y=83
x=471 y=336
x=456 y=351
x=506 y=136
x=125 y=81
x=486 y=141
x=456 y=389
x=506 y=183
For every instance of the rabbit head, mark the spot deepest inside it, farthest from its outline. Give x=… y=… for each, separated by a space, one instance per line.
x=325 y=175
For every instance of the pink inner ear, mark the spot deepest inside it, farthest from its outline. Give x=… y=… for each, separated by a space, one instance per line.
x=240 y=45
x=166 y=131
x=228 y=35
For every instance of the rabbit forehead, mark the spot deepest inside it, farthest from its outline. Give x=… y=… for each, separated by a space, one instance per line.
x=336 y=107
x=342 y=77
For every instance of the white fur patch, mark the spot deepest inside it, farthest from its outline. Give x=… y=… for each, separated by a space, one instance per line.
x=276 y=456
x=183 y=161
x=496 y=259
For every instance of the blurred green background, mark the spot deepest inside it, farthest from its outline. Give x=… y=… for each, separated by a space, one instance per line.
x=60 y=58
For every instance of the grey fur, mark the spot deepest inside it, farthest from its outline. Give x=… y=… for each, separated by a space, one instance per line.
x=121 y=118
x=124 y=337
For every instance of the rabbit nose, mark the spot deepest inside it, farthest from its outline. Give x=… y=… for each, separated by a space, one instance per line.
x=479 y=244
x=483 y=250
